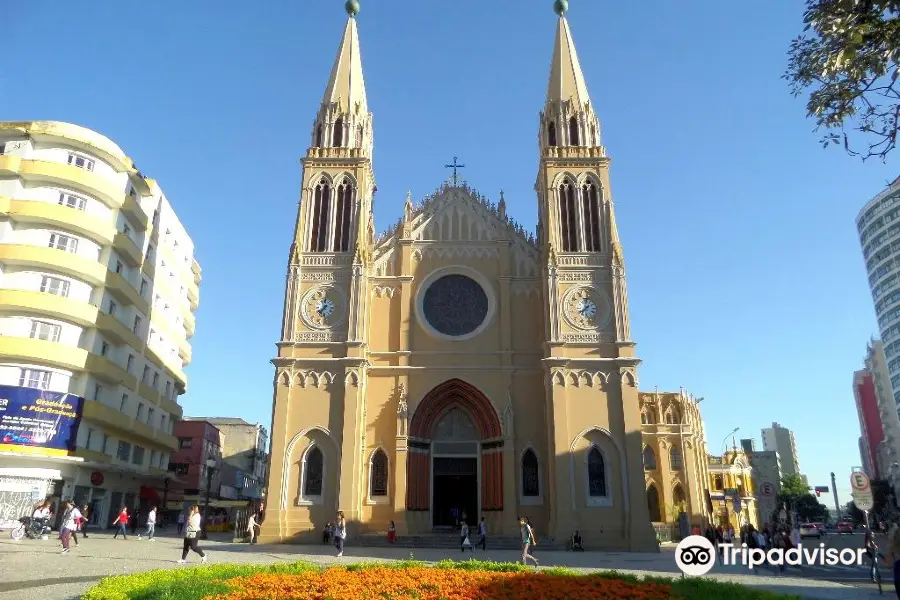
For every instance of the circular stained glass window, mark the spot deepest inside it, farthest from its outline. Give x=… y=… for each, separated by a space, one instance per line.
x=455 y=305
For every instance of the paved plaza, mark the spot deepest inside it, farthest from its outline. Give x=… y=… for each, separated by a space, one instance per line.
x=35 y=569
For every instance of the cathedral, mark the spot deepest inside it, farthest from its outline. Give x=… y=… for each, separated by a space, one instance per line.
x=457 y=365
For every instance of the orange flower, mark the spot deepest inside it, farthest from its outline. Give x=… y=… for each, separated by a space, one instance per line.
x=422 y=583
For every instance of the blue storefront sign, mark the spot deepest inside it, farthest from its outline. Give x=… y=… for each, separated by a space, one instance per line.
x=32 y=418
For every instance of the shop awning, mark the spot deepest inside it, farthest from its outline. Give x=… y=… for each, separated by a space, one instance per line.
x=148 y=493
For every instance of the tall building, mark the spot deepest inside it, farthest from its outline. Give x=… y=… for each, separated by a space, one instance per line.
x=766 y=467
x=883 y=454
x=881 y=252
x=748 y=445
x=98 y=288
x=781 y=440
x=869 y=421
x=457 y=364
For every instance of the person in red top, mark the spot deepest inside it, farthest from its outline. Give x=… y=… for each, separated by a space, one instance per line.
x=122 y=522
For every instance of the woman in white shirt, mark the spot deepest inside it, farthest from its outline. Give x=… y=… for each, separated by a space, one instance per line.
x=251 y=526
x=70 y=519
x=191 y=534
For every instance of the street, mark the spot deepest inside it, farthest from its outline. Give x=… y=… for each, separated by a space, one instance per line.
x=35 y=569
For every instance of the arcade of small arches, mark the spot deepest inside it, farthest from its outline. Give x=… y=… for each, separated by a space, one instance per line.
x=570 y=134
x=332 y=214
x=340 y=135
x=455 y=446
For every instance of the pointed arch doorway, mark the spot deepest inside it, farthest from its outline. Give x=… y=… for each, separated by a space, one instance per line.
x=455 y=466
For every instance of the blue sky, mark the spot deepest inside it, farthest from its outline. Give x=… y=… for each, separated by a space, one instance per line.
x=745 y=276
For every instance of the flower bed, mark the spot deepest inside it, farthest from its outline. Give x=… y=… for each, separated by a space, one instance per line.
x=469 y=580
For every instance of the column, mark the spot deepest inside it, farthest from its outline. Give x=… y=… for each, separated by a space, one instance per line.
x=559 y=484
x=349 y=498
x=641 y=536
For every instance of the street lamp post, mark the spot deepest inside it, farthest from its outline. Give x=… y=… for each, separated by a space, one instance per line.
x=210 y=467
x=725 y=441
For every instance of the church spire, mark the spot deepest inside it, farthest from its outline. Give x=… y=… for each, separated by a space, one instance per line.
x=344 y=120
x=568 y=118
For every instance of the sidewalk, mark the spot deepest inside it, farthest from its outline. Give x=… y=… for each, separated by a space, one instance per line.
x=66 y=577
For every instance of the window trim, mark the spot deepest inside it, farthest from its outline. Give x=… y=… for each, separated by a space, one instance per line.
x=89 y=163
x=370 y=498
x=530 y=500
x=48 y=280
x=80 y=201
x=54 y=327
x=302 y=498
x=24 y=378
x=71 y=246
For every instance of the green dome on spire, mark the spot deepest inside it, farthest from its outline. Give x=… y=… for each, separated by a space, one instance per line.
x=561 y=7
x=352 y=7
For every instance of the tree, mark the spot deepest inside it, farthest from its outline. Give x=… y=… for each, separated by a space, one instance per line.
x=792 y=489
x=809 y=509
x=848 y=59
x=855 y=514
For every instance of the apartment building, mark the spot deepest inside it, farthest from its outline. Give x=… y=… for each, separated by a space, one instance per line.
x=98 y=289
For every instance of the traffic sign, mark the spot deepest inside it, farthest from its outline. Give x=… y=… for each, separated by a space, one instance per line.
x=864 y=501
x=859 y=481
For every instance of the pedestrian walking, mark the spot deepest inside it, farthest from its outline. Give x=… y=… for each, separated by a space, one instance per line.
x=251 y=526
x=122 y=522
x=151 y=523
x=190 y=536
x=71 y=516
x=340 y=532
x=85 y=519
x=527 y=541
x=180 y=522
x=464 y=541
x=482 y=531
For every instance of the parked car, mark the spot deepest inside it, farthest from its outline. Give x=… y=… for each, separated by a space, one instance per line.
x=810 y=530
x=845 y=527
x=820 y=527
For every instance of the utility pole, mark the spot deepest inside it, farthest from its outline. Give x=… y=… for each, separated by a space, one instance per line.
x=837 y=505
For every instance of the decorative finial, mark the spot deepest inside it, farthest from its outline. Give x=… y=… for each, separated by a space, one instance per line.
x=560 y=7
x=352 y=7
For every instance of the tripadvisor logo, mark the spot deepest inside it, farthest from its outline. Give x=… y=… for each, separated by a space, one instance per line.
x=696 y=555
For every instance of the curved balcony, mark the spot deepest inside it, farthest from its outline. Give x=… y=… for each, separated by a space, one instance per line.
x=78 y=137
x=62 y=356
x=108 y=192
x=42 y=257
x=48 y=305
x=62 y=217
x=128 y=428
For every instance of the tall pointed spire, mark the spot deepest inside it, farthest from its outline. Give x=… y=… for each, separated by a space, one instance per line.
x=566 y=78
x=346 y=86
x=344 y=120
x=568 y=119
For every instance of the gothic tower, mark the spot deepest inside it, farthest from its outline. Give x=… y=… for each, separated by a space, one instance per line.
x=319 y=383
x=590 y=367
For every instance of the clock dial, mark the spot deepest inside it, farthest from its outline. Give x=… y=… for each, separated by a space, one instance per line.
x=587 y=308
x=325 y=307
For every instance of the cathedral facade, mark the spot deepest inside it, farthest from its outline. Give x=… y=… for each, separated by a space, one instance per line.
x=457 y=364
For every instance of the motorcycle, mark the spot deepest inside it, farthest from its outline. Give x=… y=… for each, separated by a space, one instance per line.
x=32 y=528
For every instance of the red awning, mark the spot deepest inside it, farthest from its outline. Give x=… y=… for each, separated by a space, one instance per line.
x=148 y=493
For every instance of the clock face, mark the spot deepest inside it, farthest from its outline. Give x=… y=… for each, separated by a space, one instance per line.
x=587 y=308
x=325 y=307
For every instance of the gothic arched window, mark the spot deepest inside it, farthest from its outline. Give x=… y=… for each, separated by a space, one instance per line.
x=649 y=459
x=531 y=486
x=653 y=504
x=590 y=215
x=318 y=239
x=313 y=472
x=568 y=217
x=573 y=132
x=718 y=483
x=551 y=134
x=644 y=419
x=338 y=140
x=596 y=474
x=342 y=216
x=672 y=417
x=319 y=136
x=379 y=474
x=675 y=458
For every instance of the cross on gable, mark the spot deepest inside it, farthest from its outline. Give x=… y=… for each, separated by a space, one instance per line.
x=454 y=166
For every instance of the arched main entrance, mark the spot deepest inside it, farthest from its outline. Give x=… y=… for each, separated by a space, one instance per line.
x=455 y=463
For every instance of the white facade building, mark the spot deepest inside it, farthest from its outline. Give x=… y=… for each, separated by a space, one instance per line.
x=98 y=288
x=781 y=440
x=878 y=224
